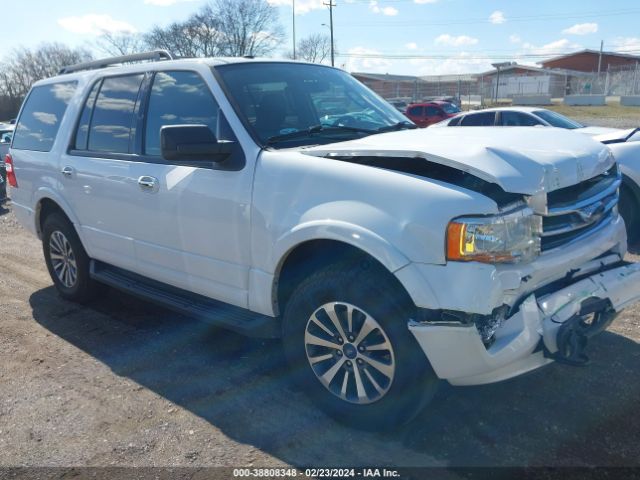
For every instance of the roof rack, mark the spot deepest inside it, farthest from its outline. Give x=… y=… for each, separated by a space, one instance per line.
x=154 y=55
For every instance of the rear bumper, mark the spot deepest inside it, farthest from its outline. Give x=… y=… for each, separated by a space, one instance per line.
x=456 y=352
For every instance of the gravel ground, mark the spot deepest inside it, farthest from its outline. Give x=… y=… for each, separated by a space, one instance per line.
x=121 y=382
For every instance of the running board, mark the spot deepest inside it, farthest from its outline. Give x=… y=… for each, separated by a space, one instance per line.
x=191 y=304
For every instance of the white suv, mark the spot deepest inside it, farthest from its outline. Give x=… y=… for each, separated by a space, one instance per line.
x=284 y=199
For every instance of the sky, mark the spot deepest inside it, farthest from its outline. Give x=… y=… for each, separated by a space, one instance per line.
x=408 y=37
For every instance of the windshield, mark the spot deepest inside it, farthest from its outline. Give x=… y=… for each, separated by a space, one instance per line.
x=556 y=120
x=450 y=108
x=289 y=104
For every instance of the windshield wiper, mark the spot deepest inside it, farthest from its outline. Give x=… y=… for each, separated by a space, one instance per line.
x=316 y=129
x=398 y=126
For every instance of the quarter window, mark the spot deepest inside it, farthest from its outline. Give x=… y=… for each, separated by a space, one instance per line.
x=41 y=116
x=178 y=98
x=416 y=111
x=113 y=115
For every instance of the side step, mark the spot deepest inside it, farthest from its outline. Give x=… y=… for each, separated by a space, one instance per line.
x=217 y=313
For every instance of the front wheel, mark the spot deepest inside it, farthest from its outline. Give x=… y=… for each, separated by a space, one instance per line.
x=629 y=207
x=349 y=347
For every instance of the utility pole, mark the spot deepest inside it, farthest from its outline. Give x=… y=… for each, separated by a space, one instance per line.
x=600 y=58
x=331 y=5
x=294 y=28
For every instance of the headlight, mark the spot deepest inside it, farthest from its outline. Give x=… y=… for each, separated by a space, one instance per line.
x=508 y=238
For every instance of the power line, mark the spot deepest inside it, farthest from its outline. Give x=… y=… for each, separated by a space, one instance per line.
x=522 y=18
x=399 y=56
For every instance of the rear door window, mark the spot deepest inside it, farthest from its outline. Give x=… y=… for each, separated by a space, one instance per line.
x=41 y=116
x=113 y=114
x=178 y=98
x=433 y=112
x=485 y=119
x=518 y=119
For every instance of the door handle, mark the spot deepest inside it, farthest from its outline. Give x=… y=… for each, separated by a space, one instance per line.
x=148 y=183
x=67 y=172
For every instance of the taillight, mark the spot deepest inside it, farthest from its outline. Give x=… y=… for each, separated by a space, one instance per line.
x=11 y=175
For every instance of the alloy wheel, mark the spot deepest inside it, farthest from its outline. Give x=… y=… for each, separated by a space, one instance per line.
x=349 y=352
x=63 y=260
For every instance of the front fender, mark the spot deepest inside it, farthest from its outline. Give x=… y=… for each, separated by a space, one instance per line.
x=345 y=232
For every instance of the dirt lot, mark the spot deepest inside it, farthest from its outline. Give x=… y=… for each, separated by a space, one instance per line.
x=121 y=382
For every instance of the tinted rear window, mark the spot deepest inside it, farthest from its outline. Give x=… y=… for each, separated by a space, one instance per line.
x=113 y=117
x=41 y=116
x=82 y=134
x=479 y=120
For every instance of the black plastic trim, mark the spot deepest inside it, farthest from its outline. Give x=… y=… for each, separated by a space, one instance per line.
x=204 y=308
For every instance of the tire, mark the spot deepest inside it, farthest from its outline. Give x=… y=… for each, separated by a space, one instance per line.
x=67 y=260
x=630 y=211
x=408 y=383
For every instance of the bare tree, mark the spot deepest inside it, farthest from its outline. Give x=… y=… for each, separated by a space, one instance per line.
x=23 y=67
x=222 y=28
x=315 y=48
x=124 y=43
x=250 y=27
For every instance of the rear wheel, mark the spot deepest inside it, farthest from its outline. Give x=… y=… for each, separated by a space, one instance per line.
x=66 y=259
x=630 y=211
x=349 y=347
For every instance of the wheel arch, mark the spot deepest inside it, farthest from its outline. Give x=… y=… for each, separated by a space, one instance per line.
x=308 y=256
x=631 y=186
x=47 y=202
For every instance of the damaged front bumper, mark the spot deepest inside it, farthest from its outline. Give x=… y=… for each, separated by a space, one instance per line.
x=553 y=326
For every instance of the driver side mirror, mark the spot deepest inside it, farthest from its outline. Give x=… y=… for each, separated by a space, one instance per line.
x=192 y=144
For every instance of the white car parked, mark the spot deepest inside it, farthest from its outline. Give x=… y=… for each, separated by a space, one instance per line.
x=386 y=258
x=624 y=143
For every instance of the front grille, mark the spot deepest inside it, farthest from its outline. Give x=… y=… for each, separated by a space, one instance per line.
x=576 y=211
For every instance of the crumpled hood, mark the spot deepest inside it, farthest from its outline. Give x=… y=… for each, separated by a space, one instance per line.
x=526 y=160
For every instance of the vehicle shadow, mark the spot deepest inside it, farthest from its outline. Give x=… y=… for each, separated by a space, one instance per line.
x=4 y=205
x=556 y=416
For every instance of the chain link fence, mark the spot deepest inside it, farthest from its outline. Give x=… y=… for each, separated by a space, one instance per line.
x=479 y=90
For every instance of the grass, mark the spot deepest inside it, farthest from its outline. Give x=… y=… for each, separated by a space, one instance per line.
x=611 y=110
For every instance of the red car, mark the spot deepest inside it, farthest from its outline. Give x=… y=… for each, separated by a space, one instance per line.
x=425 y=114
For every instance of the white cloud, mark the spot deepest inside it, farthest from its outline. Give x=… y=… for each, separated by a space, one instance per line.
x=553 y=48
x=372 y=65
x=460 y=64
x=515 y=38
x=459 y=41
x=302 y=6
x=581 y=29
x=375 y=8
x=411 y=46
x=95 y=24
x=47 y=118
x=497 y=17
x=622 y=44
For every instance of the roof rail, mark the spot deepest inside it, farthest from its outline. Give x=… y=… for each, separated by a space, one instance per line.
x=154 y=55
